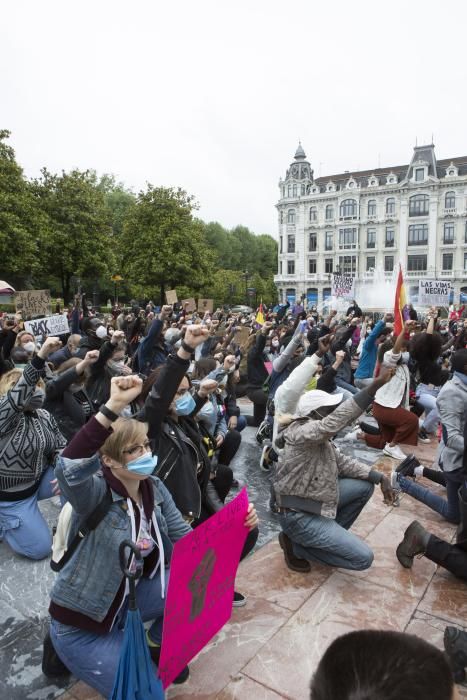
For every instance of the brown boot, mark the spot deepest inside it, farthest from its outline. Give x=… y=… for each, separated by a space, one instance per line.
x=293 y=562
x=414 y=542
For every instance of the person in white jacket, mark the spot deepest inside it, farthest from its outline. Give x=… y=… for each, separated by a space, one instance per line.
x=391 y=405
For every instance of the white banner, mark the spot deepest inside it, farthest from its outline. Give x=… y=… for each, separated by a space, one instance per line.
x=434 y=292
x=49 y=325
x=343 y=286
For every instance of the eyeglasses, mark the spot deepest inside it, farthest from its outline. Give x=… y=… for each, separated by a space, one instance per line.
x=145 y=447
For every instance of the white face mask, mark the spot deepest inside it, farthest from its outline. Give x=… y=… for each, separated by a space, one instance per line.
x=29 y=346
x=101 y=332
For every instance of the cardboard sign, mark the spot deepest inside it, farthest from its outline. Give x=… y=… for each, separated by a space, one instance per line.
x=206 y=305
x=34 y=302
x=434 y=292
x=201 y=586
x=190 y=304
x=242 y=334
x=51 y=325
x=343 y=286
x=171 y=297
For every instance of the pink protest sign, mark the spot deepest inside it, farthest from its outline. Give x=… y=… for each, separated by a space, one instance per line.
x=201 y=586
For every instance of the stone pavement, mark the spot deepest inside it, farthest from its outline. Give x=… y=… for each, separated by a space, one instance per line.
x=270 y=648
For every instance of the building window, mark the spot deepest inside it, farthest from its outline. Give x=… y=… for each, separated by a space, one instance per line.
x=290 y=295
x=348 y=209
x=370 y=263
x=312 y=266
x=450 y=200
x=291 y=216
x=465 y=234
x=329 y=212
x=372 y=207
x=328 y=240
x=389 y=239
x=418 y=205
x=289 y=190
x=347 y=238
x=416 y=263
x=302 y=190
x=290 y=267
x=313 y=214
x=294 y=190
x=418 y=234
x=419 y=174
x=348 y=264
x=328 y=265
x=448 y=236
x=282 y=217
x=447 y=261
x=312 y=242
x=283 y=192
x=390 y=206
x=371 y=238
x=280 y=267
x=281 y=240
x=291 y=244
x=388 y=263
x=465 y=261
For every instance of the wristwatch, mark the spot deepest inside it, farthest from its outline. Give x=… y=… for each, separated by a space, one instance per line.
x=108 y=413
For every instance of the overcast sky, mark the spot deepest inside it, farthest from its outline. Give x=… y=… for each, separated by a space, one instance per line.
x=213 y=96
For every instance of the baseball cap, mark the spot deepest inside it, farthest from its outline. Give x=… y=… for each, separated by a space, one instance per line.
x=311 y=400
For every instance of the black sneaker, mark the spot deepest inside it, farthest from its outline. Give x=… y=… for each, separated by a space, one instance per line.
x=407 y=466
x=369 y=428
x=455 y=644
x=265 y=461
x=294 y=563
x=52 y=665
x=423 y=436
x=414 y=543
x=182 y=677
x=264 y=432
x=239 y=600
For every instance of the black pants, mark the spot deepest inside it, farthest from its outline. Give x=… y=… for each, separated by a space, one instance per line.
x=229 y=447
x=434 y=475
x=260 y=399
x=449 y=556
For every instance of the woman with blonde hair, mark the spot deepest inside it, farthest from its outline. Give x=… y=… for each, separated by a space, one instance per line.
x=29 y=443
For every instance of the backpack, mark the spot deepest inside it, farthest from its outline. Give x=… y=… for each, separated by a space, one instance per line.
x=62 y=550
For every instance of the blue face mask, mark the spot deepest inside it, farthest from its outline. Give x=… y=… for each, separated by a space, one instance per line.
x=143 y=465
x=185 y=405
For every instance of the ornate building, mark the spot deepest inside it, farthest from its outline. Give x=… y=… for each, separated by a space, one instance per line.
x=364 y=223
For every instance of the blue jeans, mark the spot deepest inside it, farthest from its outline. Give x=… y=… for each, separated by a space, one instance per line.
x=328 y=541
x=93 y=658
x=427 y=398
x=448 y=508
x=22 y=525
x=241 y=423
x=345 y=385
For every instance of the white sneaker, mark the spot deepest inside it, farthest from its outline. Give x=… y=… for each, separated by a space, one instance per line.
x=353 y=435
x=394 y=452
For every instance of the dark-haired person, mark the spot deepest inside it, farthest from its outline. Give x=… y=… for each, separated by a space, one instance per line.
x=366 y=365
x=382 y=665
x=452 y=407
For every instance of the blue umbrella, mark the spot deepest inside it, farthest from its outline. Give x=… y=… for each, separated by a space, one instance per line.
x=135 y=679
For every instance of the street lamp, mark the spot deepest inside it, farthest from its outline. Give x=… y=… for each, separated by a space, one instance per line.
x=246 y=277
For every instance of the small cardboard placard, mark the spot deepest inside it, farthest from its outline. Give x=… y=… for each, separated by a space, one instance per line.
x=206 y=305
x=189 y=305
x=171 y=297
x=33 y=302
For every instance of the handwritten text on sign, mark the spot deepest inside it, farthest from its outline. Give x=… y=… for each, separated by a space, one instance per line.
x=33 y=302
x=343 y=286
x=201 y=586
x=51 y=325
x=434 y=292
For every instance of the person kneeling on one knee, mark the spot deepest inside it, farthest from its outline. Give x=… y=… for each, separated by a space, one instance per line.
x=320 y=491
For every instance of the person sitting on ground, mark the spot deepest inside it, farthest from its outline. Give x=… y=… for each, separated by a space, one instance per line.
x=382 y=665
x=319 y=491
x=29 y=443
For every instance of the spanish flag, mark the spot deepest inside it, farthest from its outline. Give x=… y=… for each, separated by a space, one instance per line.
x=400 y=304
x=260 y=315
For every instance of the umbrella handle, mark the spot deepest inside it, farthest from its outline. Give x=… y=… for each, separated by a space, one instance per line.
x=131 y=575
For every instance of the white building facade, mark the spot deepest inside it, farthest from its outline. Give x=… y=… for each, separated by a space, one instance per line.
x=365 y=223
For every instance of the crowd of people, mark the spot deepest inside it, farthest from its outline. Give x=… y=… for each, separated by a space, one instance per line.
x=133 y=420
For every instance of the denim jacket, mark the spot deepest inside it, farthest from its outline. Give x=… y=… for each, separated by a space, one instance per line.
x=89 y=581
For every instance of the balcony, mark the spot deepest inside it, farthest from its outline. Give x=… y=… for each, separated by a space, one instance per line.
x=451 y=211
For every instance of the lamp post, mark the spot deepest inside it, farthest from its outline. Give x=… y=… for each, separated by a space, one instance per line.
x=246 y=277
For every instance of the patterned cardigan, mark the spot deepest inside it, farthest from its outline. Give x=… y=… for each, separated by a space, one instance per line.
x=29 y=442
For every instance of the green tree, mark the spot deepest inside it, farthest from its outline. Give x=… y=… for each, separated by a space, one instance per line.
x=163 y=246
x=78 y=239
x=20 y=221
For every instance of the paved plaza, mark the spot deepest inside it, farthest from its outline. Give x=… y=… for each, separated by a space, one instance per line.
x=271 y=647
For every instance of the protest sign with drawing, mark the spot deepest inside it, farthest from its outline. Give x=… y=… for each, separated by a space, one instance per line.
x=343 y=286
x=434 y=292
x=171 y=296
x=189 y=305
x=201 y=586
x=206 y=305
x=33 y=302
x=51 y=325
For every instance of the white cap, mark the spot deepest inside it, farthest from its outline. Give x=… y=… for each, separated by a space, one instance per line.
x=311 y=400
